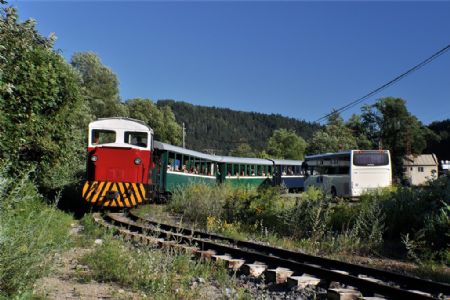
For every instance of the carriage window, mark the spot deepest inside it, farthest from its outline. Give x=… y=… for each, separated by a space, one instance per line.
x=228 y=170
x=103 y=136
x=139 y=139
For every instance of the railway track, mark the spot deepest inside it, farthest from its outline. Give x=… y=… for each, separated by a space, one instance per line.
x=279 y=265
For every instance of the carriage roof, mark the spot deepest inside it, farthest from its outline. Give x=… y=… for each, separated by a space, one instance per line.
x=184 y=151
x=245 y=160
x=287 y=162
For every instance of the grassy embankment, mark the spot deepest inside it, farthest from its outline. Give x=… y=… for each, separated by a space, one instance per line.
x=409 y=225
x=33 y=233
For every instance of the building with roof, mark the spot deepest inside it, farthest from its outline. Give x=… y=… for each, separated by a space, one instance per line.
x=418 y=169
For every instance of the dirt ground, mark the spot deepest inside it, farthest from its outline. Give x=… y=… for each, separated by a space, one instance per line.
x=65 y=281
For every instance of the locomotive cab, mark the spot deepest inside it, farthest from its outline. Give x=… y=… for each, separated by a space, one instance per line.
x=119 y=162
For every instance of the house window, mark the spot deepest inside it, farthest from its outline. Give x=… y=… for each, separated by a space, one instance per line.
x=420 y=169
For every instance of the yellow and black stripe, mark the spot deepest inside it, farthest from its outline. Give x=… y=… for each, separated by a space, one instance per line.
x=114 y=194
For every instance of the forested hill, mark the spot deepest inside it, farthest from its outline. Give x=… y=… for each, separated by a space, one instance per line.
x=221 y=130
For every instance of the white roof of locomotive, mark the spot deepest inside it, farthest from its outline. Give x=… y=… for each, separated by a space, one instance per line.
x=127 y=124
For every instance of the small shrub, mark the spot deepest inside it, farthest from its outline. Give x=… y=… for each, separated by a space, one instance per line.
x=310 y=217
x=342 y=217
x=369 y=226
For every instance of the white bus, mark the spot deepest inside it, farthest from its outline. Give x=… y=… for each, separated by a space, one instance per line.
x=349 y=173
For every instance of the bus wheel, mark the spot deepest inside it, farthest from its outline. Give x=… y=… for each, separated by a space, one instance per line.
x=333 y=192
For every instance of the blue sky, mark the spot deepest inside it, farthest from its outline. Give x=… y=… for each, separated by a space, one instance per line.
x=298 y=59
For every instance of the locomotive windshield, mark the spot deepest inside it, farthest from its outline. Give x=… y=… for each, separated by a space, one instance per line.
x=134 y=138
x=103 y=136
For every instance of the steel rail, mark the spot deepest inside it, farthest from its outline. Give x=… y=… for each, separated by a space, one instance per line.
x=272 y=261
x=405 y=281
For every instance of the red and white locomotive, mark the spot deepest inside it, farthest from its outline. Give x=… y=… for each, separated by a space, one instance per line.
x=119 y=163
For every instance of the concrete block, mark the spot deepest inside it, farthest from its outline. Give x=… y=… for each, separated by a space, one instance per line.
x=254 y=270
x=220 y=258
x=236 y=264
x=343 y=294
x=206 y=254
x=302 y=281
x=278 y=275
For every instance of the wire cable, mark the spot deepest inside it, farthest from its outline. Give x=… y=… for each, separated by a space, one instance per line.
x=389 y=83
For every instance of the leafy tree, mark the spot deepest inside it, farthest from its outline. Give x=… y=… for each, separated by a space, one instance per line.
x=333 y=138
x=358 y=130
x=100 y=85
x=441 y=145
x=286 y=144
x=392 y=126
x=263 y=154
x=243 y=150
x=41 y=107
x=161 y=120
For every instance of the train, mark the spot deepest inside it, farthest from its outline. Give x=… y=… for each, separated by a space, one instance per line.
x=126 y=167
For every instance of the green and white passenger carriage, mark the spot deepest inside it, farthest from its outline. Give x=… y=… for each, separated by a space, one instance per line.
x=246 y=171
x=177 y=166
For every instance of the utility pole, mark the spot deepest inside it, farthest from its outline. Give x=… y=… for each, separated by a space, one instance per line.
x=184 y=136
x=408 y=141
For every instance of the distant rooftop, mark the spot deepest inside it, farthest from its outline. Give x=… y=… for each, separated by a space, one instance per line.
x=420 y=160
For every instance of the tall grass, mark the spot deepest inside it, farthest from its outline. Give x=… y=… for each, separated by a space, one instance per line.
x=161 y=274
x=319 y=225
x=30 y=233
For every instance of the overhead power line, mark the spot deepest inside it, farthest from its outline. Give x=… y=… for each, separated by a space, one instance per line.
x=389 y=83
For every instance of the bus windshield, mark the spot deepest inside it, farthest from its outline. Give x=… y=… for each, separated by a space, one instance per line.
x=370 y=159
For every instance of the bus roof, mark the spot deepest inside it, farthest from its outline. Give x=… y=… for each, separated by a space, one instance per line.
x=328 y=155
x=339 y=154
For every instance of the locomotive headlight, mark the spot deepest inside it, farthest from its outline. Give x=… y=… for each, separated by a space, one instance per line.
x=137 y=161
x=94 y=158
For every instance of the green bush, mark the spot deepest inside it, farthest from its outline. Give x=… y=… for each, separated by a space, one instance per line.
x=369 y=226
x=30 y=233
x=43 y=115
x=198 y=201
x=419 y=213
x=343 y=216
x=248 y=205
x=309 y=218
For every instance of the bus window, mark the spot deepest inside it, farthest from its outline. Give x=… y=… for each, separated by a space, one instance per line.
x=100 y=137
x=370 y=159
